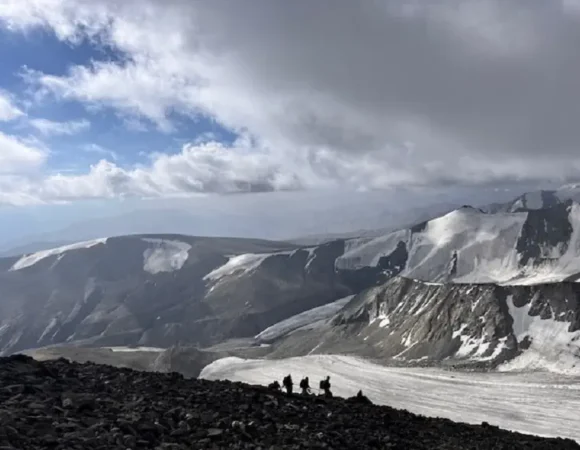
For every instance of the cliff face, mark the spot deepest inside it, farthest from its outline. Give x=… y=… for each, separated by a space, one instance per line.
x=485 y=325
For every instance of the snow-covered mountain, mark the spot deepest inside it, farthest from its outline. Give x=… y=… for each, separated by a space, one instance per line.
x=436 y=292
x=541 y=199
x=471 y=246
x=159 y=290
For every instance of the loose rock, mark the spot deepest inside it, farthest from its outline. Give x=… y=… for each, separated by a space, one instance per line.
x=64 y=405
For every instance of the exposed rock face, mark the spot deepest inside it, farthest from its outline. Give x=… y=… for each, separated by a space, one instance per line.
x=62 y=405
x=410 y=321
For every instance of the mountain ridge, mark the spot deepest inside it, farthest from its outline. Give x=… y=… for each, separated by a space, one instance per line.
x=167 y=290
x=483 y=326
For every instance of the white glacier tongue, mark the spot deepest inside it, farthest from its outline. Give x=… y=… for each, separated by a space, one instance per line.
x=302 y=320
x=30 y=260
x=538 y=403
x=165 y=255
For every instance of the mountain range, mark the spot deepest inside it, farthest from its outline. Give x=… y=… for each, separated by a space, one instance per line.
x=490 y=287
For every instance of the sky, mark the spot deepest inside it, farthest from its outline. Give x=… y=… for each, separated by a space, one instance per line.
x=105 y=100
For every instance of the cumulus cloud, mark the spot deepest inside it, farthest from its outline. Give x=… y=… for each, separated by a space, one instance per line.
x=208 y=167
x=372 y=95
x=8 y=110
x=50 y=127
x=19 y=156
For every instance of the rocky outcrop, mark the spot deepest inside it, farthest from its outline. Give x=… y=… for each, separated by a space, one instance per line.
x=64 y=405
x=407 y=321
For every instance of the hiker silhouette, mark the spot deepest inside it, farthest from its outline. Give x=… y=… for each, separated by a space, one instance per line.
x=361 y=398
x=288 y=384
x=325 y=386
x=305 y=386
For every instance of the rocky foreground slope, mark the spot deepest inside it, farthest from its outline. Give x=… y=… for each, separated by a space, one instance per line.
x=63 y=405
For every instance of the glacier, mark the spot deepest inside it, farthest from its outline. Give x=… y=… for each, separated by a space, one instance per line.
x=470 y=246
x=535 y=403
x=165 y=255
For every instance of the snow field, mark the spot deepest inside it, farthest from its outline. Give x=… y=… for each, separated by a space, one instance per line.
x=535 y=403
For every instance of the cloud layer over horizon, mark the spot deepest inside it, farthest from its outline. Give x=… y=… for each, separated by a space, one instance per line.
x=373 y=95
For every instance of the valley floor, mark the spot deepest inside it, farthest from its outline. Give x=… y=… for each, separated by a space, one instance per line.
x=536 y=403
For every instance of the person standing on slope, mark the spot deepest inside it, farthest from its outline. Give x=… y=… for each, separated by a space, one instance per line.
x=305 y=386
x=325 y=386
x=288 y=384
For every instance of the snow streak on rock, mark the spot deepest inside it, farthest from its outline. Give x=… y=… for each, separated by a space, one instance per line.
x=237 y=265
x=32 y=259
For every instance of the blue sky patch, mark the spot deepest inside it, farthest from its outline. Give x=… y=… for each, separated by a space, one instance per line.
x=109 y=135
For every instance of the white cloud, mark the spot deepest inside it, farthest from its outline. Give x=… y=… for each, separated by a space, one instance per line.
x=135 y=90
x=49 y=127
x=208 y=167
x=8 y=111
x=368 y=95
x=18 y=156
x=212 y=167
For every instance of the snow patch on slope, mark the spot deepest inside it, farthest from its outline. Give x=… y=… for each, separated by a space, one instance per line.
x=238 y=265
x=135 y=349
x=364 y=253
x=552 y=348
x=242 y=264
x=302 y=320
x=165 y=255
x=32 y=259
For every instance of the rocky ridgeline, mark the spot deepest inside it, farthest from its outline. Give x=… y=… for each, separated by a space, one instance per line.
x=64 y=405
